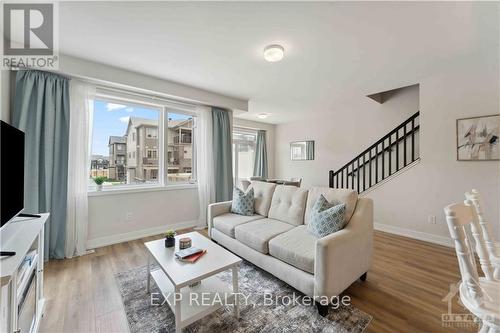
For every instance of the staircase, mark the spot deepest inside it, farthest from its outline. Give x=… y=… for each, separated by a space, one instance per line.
x=388 y=156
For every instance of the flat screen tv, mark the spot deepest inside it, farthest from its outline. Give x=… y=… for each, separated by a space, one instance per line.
x=12 y=172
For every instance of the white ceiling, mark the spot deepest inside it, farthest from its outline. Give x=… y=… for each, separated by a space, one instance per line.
x=332 y=50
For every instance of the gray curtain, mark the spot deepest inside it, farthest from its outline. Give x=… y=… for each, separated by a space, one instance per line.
x=41 y=110
x=260 y=162
x=309 y=150
x=223 y=160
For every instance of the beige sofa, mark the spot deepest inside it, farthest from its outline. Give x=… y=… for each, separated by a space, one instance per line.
x=276 y=239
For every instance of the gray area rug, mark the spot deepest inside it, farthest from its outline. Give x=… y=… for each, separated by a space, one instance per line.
x=254 y=317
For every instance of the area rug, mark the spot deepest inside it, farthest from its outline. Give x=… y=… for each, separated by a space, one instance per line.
x=281 y=316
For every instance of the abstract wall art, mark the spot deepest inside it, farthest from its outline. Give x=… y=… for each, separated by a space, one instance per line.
x=478 y=138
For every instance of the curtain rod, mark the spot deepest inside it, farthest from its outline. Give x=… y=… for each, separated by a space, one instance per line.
x=21 y=68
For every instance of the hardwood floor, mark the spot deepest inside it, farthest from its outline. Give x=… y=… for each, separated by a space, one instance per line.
x=403 y=291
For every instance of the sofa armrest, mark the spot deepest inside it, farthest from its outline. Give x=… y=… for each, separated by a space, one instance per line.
x=217 y=209
x=342 y=257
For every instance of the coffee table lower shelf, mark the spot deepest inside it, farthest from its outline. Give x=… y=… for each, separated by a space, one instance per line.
x=195 y=302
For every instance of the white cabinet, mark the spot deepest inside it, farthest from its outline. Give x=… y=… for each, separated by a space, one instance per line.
x=21 y=293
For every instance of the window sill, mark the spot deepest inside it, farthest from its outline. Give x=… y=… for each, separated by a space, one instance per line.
x=139 y=189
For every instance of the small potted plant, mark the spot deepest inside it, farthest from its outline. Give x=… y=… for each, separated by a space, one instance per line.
x=170 y=238
x=99 y=180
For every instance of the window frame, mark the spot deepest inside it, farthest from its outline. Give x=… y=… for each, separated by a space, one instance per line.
x=164 y=108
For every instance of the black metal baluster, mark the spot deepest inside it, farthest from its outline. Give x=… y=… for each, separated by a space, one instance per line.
x=346 y=178
x=390 y=155
x=413 y=140
x=357 y=175
x=397 y=150
x=342 y=178
x=404 y=148
x=337 y=180
x=347 y=175
x=370 y=168
x=330 y=179
x=364 y=173
x=352 y=175
x=383 y=159
x=376 y=164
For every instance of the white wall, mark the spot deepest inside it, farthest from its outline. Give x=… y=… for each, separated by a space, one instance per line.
x=5 y=95
x=107 y=74
x=270 y=140
x=340 y=134
x=150 y=213
x=468 y=87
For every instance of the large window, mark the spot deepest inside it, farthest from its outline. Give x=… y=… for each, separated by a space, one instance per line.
x=243 y=153
x=140 y=144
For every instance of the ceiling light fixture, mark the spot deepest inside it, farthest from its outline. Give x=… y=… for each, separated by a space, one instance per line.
x=274 y=53
x=263 y=115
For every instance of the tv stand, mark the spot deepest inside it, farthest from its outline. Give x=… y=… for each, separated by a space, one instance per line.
x=29 y=215
x=21 y=287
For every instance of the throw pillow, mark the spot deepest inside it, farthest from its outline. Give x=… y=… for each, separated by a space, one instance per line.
x=326 y=218
x=243 y=202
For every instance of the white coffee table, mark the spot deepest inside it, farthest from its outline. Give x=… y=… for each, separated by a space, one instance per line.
x=174 y=277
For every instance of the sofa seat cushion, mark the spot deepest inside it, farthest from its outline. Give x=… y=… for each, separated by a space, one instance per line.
x=256 y=234
x=227 y=222
x=295 y=247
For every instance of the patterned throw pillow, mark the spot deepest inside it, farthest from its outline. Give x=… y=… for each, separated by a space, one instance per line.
x=242 y=202
x=326 y=218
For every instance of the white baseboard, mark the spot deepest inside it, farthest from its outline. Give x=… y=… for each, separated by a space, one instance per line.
x=423 y=236
x=128 y=236
x=132 y=235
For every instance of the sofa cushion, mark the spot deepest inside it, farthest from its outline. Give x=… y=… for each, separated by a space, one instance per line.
x=349 y=197
x=295 y=247
x=242 y=202
x=256 y=234
x=288 y=204
x=227 y=222
x=263 y=193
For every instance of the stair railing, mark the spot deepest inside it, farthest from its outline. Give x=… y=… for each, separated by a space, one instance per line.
x=393 y=152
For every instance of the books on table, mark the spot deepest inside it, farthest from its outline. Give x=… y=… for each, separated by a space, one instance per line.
x=191 y=254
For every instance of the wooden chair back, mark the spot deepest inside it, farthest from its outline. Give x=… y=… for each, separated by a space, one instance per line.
x=460 y=217
x=477 y=202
